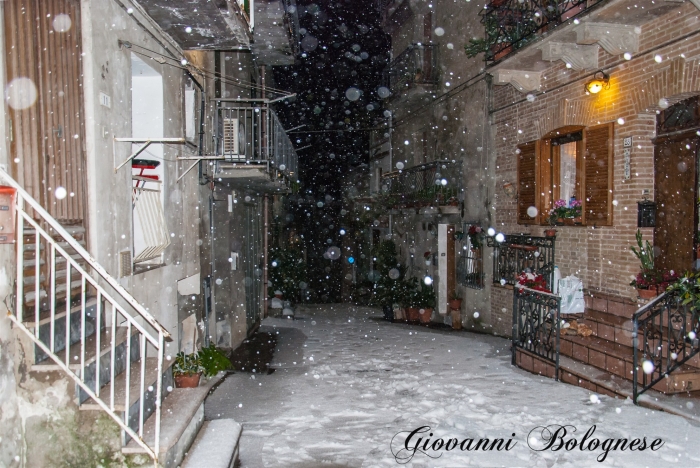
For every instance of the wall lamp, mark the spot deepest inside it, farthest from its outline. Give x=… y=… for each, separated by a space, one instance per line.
x=600 y=81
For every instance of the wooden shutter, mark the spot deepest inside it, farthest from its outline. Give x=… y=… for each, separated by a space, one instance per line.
x=527 y=181
x=597 y=176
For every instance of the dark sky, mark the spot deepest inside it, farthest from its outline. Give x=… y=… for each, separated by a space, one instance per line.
x=336 y=76
x=342 y=55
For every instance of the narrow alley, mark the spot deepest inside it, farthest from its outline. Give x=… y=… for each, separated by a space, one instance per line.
x=346 y=382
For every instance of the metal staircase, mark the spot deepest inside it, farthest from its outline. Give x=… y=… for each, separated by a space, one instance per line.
x=85 y=324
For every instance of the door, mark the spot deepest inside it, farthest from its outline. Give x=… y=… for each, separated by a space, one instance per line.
x=43 y=56
x=253 y=266
x=675 y=193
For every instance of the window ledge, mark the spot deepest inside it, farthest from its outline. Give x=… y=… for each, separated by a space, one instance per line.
x=143 y=268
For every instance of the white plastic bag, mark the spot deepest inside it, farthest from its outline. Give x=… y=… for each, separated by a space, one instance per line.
x=571 y=292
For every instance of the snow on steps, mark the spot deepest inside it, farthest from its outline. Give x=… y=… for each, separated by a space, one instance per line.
x=216 y=445
x=595 y=380
x=182 y=415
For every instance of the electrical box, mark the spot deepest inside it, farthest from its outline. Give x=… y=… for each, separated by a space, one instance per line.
x=646 y=213
x=7 y=214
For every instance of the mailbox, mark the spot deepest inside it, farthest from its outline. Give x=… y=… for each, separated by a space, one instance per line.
x=646 y=213
x=7 y=214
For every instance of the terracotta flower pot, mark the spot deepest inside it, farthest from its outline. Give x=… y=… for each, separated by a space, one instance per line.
x=425 y=315
x=550 y=233
x=647 y=293
x=187 y=381
x=412 y=314
x=455 y=304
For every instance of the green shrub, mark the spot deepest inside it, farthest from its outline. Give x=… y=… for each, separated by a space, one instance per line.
x=214 y=360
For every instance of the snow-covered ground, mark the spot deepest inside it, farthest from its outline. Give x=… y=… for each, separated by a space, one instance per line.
x=347 y=383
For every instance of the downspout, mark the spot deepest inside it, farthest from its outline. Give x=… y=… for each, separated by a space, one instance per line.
x=391 y=165
x=266 y=199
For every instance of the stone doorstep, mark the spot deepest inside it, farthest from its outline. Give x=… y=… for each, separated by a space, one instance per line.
x=595 y=380
x=216 y=445
x=182 y=414
x=616 y=331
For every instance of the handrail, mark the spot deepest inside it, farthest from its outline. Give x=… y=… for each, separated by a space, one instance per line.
x=670 y=332
x=84 y=254
x=536 y=325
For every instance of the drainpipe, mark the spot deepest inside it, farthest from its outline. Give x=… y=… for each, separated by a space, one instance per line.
x=266 y=199
x=391 y=164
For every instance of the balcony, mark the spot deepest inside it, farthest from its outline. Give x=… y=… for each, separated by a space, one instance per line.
x=255 y=149
x=434 y=184
x=414 y=68
x=511 y=24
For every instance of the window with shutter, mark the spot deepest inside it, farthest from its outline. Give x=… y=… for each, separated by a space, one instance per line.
x=527 y=181
x=598 y=175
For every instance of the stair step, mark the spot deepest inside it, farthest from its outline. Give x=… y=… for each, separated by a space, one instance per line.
x=216 y=445
x=617 y=359
x=75 y=349
x=620 y=306
x=134 y=387
x=182 y=414
x=29 y=296
x=59 y=327
x=31 y=263
x=596 y=380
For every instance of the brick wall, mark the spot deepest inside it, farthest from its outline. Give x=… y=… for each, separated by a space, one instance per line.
x=599 y=255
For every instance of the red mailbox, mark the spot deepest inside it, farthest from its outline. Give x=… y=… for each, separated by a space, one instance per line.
x=7 y=214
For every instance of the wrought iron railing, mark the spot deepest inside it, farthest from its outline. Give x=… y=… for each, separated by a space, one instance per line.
x=511 y=24
x=518 y=253
x=416 y=65
x=470 y=271
x=254 y=135
x=433 y=183
x=666 y=335
x=536 y=322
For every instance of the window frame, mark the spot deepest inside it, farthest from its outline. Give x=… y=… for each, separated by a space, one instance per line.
x=547 y=173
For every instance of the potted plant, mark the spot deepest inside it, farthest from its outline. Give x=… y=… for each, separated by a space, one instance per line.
x=532 y=281
x=187 y=370
x=551 y=232
x=650 y=280
x=475 y=234
x=688 y=290
x=426 y=303
x=410 y=299
x=455 y=300
x=213 y=360
x=565 y=214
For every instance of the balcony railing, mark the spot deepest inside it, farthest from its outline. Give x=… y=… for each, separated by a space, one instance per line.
x=665 y=337
x=520 y=252
x=434 y=183
x=254 y=135
x=511 y=24
x=417 y=65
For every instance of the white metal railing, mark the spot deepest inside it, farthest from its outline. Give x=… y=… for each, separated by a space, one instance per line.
x=118 y=323
x=149 y=224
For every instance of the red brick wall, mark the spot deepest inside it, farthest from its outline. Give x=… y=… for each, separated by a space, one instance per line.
x=601 y=256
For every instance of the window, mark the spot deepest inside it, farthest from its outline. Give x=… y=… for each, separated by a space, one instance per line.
x=568 y=163
x=150 y=234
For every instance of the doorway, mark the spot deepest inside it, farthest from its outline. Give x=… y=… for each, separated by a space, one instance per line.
x=676 y=187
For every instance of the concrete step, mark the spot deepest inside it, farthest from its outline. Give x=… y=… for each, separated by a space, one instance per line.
x=150 y=366
x=59 y=327
x=216 y=445
x=96 y=363
x=182 y=415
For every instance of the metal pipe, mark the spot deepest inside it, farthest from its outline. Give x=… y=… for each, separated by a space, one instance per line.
x=266 y=199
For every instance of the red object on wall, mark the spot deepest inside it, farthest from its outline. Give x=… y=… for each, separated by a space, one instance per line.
x=7 y=214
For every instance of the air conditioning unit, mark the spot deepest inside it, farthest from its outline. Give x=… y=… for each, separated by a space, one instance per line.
x=234 y=139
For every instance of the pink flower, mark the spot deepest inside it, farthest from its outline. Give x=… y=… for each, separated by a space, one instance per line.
x=559 y=204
